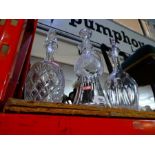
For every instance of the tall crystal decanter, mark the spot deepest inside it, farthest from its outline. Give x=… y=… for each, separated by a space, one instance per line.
x=88 y=69
x=45 y=80
x=121 y=89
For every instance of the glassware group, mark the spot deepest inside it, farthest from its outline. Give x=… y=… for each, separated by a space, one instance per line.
x=46 y=82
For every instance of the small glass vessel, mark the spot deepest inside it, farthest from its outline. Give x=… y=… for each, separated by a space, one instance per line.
x=121 y=89
x=88 y=69
x=45 y=80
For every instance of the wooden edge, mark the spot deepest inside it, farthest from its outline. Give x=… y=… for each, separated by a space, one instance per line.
x=22 y=106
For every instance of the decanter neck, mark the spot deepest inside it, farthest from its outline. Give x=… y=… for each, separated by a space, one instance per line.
x=116 y=64
x=49 y=56
x=51 y=45
x=85 y=46
x=115 y=56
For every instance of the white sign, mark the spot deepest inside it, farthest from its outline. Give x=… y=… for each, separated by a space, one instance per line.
x=102 y=30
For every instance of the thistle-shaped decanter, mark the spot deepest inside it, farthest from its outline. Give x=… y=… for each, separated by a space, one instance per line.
x=45 y=80
x=88 y=69
x=121 y=89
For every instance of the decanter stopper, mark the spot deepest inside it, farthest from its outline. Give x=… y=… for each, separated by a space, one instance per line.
x=121 y=89
x=85 y=35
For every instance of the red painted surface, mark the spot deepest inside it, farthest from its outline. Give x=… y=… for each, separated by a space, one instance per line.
x=29 y=124
x=19 y=38
x=20 y=73
x=11 y=36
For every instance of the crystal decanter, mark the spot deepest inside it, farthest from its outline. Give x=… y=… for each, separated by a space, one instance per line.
x=121 y=89
x=88 y=69
x=45 y=80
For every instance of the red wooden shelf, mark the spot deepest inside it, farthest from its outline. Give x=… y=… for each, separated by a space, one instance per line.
x=32 y=124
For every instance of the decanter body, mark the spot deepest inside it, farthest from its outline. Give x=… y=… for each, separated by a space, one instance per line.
x=45 y=80
x=121 y=89
x=88 y=69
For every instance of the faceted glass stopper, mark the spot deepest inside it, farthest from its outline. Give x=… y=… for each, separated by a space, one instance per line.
x=85 y=33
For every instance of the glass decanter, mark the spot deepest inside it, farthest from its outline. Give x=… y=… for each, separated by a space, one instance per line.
x=121 y=89
x=88 y=69
x=45 y=80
